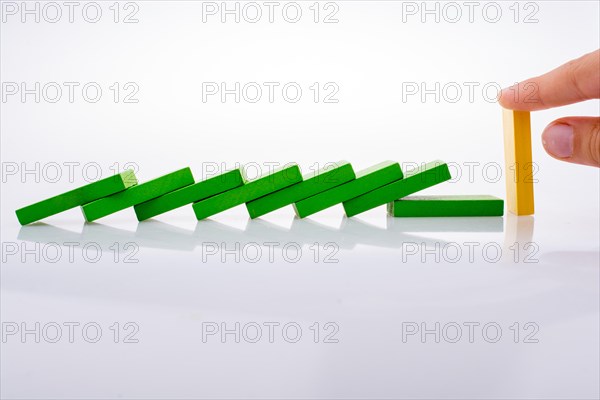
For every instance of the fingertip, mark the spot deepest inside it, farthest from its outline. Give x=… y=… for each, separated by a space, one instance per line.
x=574 y=139
x=519 y=97
x=558 y=140
x=504 y=99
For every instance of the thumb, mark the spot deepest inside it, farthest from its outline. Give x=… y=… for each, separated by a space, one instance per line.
x=574 y=139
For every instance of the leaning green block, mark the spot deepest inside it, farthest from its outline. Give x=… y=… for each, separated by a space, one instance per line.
x=366 y=180
x=420 y=178
x=137 y=194
x=252 y=190
x=313 y=183
x=189 y=194
x=447 y=206
x=76 y=197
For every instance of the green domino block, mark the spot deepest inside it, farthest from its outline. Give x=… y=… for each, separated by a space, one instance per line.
x=447 y=206
x=313 y=183
x=366 y=180
x=137 y=194
x=421 y=178
x=76 y=197
x=252 y=190
x=189 y=194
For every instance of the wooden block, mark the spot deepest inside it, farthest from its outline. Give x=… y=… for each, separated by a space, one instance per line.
x=421 y=178
x=137 y=194
x=76 y=197
x=518 y=162
x=313 y=183
x=189 y=194
x=447 y=206
x=366 y=180
x=251 y=190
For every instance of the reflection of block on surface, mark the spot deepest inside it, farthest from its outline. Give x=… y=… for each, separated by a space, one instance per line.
x=160 y=235
x=76 y=197
x=366 y=180
x=518 y=230
x=447 y=206
x=307 y=231
x=189 y=194
x=518 y=239
x=365 y=233
x=425 y=176
x=262 y=186
x=313 y=183
x=446 y=224
x=518 y=161
x=137 y=194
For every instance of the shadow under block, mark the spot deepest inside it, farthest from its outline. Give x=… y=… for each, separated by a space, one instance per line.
x=425 y=176
x=313 y=183
x=251 y=190
x=518 y=161
x=447 y=206
x=137 y=194
x=366 y=180
x=189 y=194
x=76 y=197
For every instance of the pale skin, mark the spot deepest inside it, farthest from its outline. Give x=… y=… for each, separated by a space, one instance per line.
x=571 y=139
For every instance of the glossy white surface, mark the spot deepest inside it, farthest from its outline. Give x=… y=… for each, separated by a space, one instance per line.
x=370 y=295
x=366 y=281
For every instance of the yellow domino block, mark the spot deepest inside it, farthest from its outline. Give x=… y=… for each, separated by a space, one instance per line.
x=518 y=162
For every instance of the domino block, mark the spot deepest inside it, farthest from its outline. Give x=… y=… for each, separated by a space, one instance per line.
x=447 y=206
x=76 y=197
x=421 y=178
x=366 y=180
x=137 y=194
x=189 y=194
x=518 y=162
x=251 y=190
x=313 y=183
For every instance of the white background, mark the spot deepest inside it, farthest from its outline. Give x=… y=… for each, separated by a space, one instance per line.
x=372 y=54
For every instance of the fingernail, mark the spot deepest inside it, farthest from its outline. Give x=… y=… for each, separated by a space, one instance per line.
x=558 y=140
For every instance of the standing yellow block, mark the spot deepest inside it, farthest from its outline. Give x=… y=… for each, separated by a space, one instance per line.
x=518 y=161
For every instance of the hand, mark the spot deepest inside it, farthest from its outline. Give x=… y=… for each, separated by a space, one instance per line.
x=572 y=139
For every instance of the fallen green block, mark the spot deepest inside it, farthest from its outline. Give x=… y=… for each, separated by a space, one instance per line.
x=137 y=194
x=76 y=197
x=447 y=206
x=366 y=180
x=189 y=194
x=313 y=183
x=251 y=190
x=421 y=178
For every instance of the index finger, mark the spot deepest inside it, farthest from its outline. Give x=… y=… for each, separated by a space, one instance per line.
x=575 y=81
